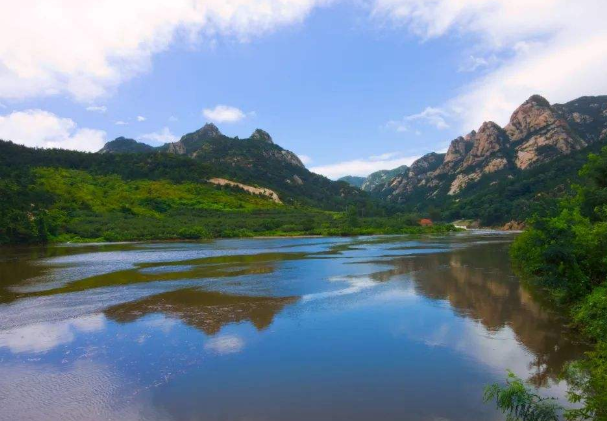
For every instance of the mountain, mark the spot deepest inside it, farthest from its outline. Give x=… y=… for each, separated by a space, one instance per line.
x=381 y=177
x=255 y=160
x=375 y=179
x=353 y=180
x=210 y=145
x=124 y=145
x=536 y=134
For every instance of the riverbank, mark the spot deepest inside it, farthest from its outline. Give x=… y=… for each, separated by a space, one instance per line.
x=565 y=257
x=199 y=233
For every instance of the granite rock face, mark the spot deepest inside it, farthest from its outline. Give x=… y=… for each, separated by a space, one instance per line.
x=540 y=132
x=536 y=133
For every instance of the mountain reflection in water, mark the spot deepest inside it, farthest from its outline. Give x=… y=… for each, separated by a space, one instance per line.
x=207 y=311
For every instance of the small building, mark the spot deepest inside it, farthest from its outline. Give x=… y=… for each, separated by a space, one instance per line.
x=426 y=222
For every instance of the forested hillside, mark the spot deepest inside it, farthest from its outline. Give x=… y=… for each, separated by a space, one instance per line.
x=255 y=160
x=59 y=195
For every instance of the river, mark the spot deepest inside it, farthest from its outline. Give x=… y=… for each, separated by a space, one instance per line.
x=387 y=328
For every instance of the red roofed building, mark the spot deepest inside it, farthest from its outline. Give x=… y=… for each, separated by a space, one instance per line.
x=425 y=222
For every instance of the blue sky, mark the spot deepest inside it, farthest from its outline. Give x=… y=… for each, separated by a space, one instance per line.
x=351 y=86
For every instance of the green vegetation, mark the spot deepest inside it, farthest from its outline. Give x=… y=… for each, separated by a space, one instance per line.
x=520 y=403
x=54 y=195
x=508 y=195
x=565 y=255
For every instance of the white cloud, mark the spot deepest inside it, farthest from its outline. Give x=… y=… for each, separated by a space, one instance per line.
x=173 y=119
x=433 y=116
x=224 y=114
x=97 y=108
x=120 y=123
x=305 y=159
x=363 y=167
x=140 y=118
x=384 y=156
x=86 y=48
x=44 y=129
x=160 y=137
x=473 y=63
x=557 y=48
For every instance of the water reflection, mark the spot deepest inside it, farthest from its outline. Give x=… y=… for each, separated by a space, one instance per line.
x=206 y=311
x=326 y=329
x=41 y=337
x=478 y=284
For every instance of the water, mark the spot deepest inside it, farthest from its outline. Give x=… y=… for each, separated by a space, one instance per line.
x=390 y=328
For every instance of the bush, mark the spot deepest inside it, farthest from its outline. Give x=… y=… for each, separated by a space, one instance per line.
x=520 y=403
x=193 y=233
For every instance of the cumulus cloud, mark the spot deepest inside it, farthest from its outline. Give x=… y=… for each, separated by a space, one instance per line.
x=160 y=137
x=224 y=114
x=557 y=48
x=432 y=116
x=140 y=118
x=97 y=108
x=365 y=166
x=44 y=129
x=120 y=123
x=85 y=48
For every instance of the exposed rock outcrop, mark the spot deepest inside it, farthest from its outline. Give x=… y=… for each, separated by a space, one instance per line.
x=489 y=142
x=541 y=133
x=536 y=133
x=249 y=189
x=420 y=174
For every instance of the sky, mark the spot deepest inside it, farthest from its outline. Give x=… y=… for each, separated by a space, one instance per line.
x=351 y=86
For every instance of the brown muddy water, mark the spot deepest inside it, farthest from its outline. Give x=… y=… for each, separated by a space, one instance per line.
x=386 y=328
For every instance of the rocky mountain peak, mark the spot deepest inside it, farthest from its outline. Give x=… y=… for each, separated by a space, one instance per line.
x=489 y=140
x=540 y=133
x=458 y=149
x=537 y=100
x=261 y=135
x=537 y=133
x=209 y=130
x=426 y=163
x=532 y=115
